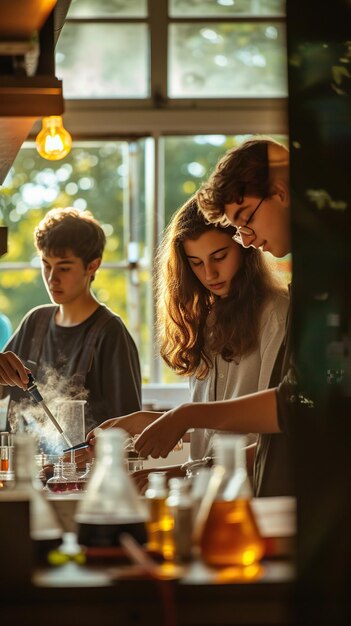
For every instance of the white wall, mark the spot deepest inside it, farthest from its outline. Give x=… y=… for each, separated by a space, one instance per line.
x=159 y=396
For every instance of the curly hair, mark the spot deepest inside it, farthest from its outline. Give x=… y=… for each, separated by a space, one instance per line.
x=70 y=229
x=183 y=303
x=243 y=170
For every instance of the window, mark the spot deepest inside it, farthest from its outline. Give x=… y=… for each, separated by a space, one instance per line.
x=169 y=88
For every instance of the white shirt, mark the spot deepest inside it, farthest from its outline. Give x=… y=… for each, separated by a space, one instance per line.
x=237 y=378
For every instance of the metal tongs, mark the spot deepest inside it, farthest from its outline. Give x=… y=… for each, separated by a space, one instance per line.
x=37 y=397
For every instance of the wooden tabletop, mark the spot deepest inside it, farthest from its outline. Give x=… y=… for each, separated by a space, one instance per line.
x=116 y=595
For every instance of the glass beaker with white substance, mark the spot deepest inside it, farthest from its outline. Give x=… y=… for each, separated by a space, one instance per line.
x=70 y=415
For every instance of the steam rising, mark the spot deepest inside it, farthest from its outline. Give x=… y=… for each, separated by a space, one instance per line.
x=26 y=416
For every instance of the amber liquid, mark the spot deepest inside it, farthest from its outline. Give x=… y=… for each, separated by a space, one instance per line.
x=231 y=536
x=160 y=529
x=107 y=535
x=4 y=465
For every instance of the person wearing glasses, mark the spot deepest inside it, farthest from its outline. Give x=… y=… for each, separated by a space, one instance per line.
x=221 y=315
x=248 y=189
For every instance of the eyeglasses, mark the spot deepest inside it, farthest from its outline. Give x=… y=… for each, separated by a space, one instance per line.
x=245 y=230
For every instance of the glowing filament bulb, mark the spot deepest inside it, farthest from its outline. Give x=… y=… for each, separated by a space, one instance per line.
x=53 y=142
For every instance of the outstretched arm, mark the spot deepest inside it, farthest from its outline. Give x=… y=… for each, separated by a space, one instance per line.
x=256 y=412
x=133 y=424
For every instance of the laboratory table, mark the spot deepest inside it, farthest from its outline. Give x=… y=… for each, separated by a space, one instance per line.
x=114 y=594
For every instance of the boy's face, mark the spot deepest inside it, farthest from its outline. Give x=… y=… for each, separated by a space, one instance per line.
x=269 y=225
x=66 y=279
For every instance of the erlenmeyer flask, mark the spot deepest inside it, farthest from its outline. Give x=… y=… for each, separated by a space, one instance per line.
x=58 y=482
x=230 y=535
x=111 y=504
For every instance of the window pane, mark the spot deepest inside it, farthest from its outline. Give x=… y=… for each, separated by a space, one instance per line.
x=227 y=60
x=110 y=8
x=91 y=60
x=20 y=290
x=200 y=8
x=93 y=177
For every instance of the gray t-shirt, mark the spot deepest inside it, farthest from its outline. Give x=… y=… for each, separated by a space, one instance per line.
x=112 y=386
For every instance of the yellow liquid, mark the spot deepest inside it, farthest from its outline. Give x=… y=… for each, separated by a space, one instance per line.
x=160 y=529
x=230 y=536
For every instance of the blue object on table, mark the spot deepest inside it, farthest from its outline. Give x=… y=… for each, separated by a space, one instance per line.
x=5 y=330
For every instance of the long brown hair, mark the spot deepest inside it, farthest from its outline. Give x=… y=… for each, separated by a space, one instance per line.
x=183 y=303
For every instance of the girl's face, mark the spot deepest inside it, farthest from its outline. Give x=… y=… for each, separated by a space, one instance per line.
x=215 y=259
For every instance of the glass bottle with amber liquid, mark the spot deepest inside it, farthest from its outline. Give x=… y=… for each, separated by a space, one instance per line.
x=160 y=524
x=230 y=535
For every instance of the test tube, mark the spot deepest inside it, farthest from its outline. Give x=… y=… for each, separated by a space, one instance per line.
x=4 y=451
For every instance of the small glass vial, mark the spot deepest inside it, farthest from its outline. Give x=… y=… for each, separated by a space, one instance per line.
x=7 y=476
x=179 y=503
x=6 y=452
x=4 y=458
x=134 y=461
x=230 y=536
x=160 y=524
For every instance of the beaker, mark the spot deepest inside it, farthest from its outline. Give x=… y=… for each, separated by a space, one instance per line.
x=70 y=415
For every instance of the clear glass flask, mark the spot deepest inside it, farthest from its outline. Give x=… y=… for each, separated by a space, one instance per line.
x=230 y=535
x=58 y=482
x=111 y=504
x=45 y=530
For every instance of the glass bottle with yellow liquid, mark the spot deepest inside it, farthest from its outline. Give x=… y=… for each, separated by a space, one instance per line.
x=230 y=536
x=160 y=524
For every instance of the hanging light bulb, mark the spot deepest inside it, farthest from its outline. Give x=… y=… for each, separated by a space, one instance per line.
x=53 y=141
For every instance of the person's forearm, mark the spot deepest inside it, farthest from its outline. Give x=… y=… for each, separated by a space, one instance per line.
x=134 y=423
x=254 y=413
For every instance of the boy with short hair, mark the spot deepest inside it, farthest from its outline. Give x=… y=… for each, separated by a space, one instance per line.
x=76 y=347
